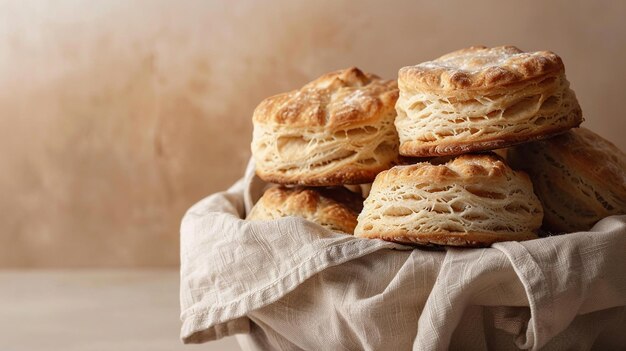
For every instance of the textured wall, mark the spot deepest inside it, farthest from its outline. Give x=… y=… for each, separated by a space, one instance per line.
x=115 y=116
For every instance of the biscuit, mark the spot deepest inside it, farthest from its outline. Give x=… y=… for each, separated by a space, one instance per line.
x=482 y=99
x=333 y=208
x=338 y=129
x=472 y=200
x=579 y=177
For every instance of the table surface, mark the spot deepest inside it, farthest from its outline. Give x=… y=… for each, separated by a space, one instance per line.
x=93 y=310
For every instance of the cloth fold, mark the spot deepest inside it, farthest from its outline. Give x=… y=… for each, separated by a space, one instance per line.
x=291 y=284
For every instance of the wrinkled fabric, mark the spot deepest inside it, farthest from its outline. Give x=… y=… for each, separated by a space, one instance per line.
x=290 y=284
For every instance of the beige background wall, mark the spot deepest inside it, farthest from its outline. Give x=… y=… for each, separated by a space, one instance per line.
x=115 y=116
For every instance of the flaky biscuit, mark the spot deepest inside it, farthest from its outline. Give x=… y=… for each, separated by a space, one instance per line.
x=334 y=208
x=483 y=99
x=579 y=177
x=336 y=130
x=472 y=200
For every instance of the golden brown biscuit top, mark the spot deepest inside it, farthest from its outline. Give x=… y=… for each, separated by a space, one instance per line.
x=335 y=100
x=337 y=207
x=592 y=155
x=469 y=167
x=479 y=67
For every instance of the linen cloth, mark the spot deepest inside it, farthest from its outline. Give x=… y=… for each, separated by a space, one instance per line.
x=290 y=284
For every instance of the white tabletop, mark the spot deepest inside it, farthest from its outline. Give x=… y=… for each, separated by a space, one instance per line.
x=93 y=310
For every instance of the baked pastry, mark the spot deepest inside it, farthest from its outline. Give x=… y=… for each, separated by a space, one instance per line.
x=579 y=177
x=333 y=208
x=472 y=200
x=483 y=99
x=338 y=129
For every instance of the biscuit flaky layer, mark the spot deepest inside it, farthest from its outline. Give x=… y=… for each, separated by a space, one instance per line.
x=579 y=177
x=472 y=200
x=335 y=130
x=481 y=99
x=334 y=208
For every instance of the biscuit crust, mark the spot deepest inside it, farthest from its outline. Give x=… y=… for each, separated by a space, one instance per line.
x=481 y=98
x=417 y=149
x=579 y=177
x=334 y=100
x=333 y=208
x=461 y=239
x=348 y=175
x=471 y=200
x=336 y=130
x=479 y=67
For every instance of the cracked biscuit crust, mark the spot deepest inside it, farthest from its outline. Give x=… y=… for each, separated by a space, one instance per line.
x=479 y=67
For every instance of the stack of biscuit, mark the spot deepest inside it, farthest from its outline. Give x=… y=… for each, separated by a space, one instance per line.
x=450 y=114
x=336 y=131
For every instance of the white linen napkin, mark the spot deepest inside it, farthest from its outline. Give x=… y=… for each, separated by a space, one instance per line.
x=290 y=284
